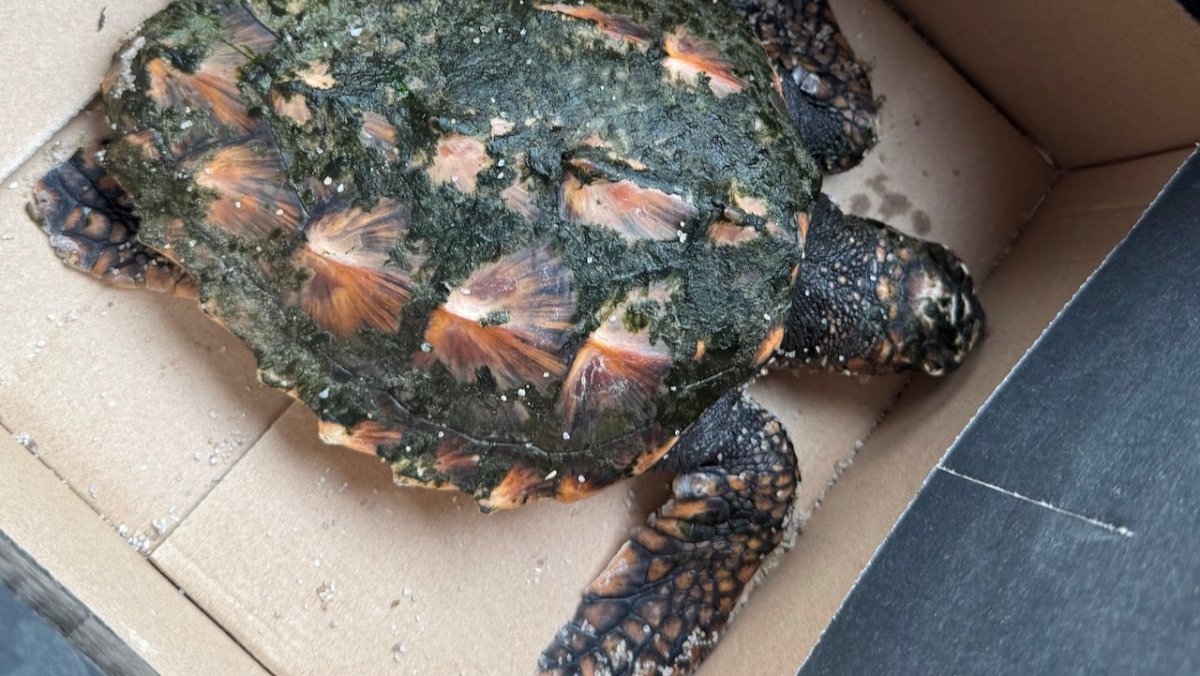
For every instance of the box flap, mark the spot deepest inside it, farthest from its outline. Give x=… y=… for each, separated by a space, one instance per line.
x=1091 y=82
x=57 y=51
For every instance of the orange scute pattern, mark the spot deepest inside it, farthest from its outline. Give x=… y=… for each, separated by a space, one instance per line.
x=647 y=461
x=214 y=85
x=354 y=283
x=366 y=437
x=520 y=484
x=688 y=56
x=510 y=316
x=752 y=205
x=294 y=106
x=519 y=198
x=615 y=26
x=724 y=233
x=456 y=456
x=457 y=161
x=802 y=223
x=632 y=211
x=316 y=75
x=767 y=348
x=378 y=130
x=616 y=369
x=501 y=127
x=254 y=198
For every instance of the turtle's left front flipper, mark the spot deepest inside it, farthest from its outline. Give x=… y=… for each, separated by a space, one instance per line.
x=661 y=603
x=823 y=83
x=93 y=228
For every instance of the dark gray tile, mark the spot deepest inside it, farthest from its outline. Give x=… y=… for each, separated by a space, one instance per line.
x=45 y=629
x=974 y=581
x=1102 y=417
x=31 y=647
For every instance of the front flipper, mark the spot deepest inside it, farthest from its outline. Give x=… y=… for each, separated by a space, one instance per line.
x=825 y=86
x=92 y=227
x=663 y=600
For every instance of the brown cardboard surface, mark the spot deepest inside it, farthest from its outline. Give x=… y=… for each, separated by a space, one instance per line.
x=61 y=532
x=1088 y=212
x=137 y=400
x=54 y=53
x=1090 y=81
x=318 y=564
x=489 y=591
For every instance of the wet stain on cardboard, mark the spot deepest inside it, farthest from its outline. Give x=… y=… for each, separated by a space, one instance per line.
x=877 y=183
x=892 y=204
x=859 y=205
x=922 y=223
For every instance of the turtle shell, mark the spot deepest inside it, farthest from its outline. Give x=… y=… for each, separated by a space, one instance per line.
x=511 y=248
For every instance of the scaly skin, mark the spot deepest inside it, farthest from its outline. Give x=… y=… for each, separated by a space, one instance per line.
x=826 y=88
x=92 y=227
x=873 y=300
x=664 y=599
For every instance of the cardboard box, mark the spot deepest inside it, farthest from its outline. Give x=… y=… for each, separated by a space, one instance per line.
x=1028 y=138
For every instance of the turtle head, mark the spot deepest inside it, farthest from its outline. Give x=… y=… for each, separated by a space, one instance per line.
x=870 y=299
x=939 y=316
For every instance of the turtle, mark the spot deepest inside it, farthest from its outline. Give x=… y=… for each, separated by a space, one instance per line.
x=525 y=250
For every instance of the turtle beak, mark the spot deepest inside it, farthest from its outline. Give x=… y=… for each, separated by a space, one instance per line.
x=950 y=318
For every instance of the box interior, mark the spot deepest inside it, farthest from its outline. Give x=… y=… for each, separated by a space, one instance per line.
x=1019 y=137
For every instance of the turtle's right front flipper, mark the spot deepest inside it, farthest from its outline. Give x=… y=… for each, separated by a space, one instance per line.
x=665 y=598
x=92 y=227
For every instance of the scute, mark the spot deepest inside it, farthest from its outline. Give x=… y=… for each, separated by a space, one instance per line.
x=511 y=316
x=515 y=259
x=352 y=282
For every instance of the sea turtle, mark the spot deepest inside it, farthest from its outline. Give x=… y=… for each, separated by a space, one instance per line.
x=524 y=250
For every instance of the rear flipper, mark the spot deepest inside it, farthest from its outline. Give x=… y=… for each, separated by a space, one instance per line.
x=665 y=597
x=92 y=227
x=825 y=87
